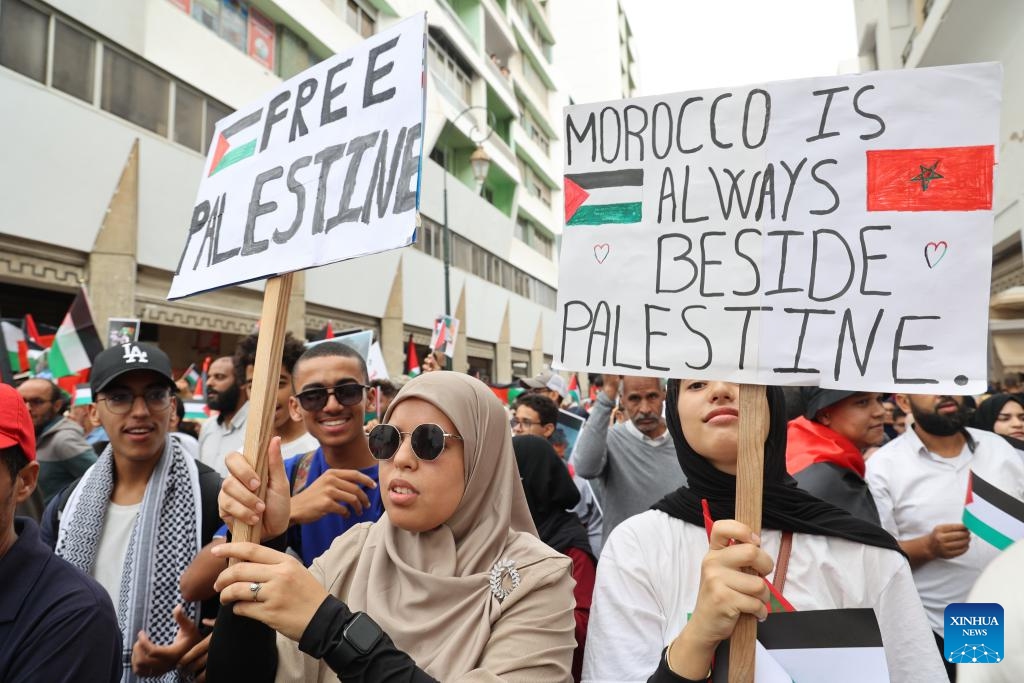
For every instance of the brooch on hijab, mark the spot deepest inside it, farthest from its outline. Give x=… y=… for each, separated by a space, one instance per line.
x=499 y=571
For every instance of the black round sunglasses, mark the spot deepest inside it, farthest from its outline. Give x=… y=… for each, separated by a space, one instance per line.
x=427 y=440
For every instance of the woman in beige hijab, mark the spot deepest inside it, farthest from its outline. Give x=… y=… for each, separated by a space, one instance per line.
x=451 y=583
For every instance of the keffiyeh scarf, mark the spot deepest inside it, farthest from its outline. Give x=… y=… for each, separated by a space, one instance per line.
x=165 y=539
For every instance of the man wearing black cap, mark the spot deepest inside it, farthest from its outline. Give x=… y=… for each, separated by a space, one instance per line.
x=825 y=446
x=136 y=519
x=56 y=624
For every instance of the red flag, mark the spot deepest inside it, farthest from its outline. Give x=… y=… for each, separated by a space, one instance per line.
x=200 y=391
x=939 y=179
x=412 y=361
x=328 y=331
x=44 y=341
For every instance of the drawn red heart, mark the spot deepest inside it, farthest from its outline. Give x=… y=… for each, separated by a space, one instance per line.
x=601 y=252
x=935 y=252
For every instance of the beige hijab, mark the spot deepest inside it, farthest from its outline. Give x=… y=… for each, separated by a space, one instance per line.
x=430 y=591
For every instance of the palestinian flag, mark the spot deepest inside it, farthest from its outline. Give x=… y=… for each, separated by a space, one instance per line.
x=83 y=395
x=836 y=645
x=992 y=514
x=412 y=361
x=938 y=179
x=199 y=392
x=605 y=197
x=574 y=390
x=13 y=336
x=196 y=410
x=191 y=377
x=76 y=342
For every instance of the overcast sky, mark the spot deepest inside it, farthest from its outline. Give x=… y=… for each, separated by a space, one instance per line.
x=691 y=44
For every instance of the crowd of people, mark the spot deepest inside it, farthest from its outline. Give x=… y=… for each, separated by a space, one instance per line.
x=421 y=530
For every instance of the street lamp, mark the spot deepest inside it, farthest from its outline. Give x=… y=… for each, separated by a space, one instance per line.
x=481 y=163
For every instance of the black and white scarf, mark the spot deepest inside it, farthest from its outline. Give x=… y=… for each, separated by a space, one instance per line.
x=165 y=539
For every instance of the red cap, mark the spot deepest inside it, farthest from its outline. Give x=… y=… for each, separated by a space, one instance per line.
x=15 y=423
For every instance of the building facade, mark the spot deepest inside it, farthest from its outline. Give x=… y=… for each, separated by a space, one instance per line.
x=107 y=109
x=906 y=34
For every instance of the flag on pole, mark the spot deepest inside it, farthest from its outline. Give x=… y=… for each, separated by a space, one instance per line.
x=412 y=361
x=328 y=331
x=992 y=514
x=76 y=342
x=13 y=339
x=191 y=377
x=199 y=393
x=574 y=390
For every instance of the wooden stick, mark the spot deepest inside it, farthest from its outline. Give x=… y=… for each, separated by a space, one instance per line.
x=263 y=390
x=749 y=494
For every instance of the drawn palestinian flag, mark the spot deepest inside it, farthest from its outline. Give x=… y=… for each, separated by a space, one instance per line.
x=939 y=179
x=76 y=342
x=836 y=645
x=992 y=514
x=604 y=198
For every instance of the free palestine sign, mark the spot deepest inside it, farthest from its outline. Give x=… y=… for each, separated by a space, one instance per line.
x=324 y=168
x=830 y=231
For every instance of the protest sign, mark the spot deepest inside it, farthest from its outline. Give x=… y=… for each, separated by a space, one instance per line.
x=444 y=334
x=359 y=341
x=375 y=365
x=322 y=169
x=122 y=331
x=830 y=231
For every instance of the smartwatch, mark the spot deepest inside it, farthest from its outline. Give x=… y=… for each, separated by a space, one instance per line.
x=359 y=636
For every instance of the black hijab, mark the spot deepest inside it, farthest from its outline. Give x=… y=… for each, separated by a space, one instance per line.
x=785 y=507
x=550 y=494
x=985 y=416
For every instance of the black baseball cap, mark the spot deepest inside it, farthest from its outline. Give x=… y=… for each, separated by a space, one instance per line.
x=817 y=399
x=117 y=360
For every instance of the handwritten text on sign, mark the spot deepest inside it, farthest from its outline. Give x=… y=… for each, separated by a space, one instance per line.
x=830 y=231
x=323 y=169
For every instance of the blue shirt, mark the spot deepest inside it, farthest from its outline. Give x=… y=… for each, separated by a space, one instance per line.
x=311 y=540
x=56 y=623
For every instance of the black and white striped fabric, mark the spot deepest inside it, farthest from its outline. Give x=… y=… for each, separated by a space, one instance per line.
x=165 y=539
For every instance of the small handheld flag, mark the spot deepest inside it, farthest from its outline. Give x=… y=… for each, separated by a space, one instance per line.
x=992 y=514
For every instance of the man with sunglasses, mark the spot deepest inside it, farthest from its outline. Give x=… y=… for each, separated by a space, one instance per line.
x=139 y=516
x=335 y=486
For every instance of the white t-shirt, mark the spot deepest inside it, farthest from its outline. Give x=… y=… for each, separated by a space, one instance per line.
x=217 y=440
x=299 y=446
x=1000 y=583
x=649 y=575
x=113 y=546
x=916 y=490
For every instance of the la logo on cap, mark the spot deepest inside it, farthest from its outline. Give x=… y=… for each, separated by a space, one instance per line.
x=133 y=354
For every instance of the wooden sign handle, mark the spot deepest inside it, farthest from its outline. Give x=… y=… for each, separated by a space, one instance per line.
x=263 y=390
x=749 y=493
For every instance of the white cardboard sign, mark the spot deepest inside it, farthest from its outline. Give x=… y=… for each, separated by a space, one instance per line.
x=324 y=168
x=829 y=231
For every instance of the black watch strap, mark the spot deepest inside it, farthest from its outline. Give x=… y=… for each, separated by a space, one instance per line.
x=358 y=637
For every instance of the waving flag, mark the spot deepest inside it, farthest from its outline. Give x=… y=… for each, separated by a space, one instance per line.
x=412 y=361
x=76 y=342
x=992 y=514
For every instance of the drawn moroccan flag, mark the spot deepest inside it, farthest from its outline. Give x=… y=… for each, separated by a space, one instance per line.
x=992 y=514
x=604 y=198
x=938 y=179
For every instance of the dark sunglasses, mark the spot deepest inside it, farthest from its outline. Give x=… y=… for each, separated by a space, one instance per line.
x=428 y=441
x=348 y=394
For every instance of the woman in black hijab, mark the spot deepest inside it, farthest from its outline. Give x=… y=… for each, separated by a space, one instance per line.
x=551 y=494
x=1002 y=414
x=671 y=585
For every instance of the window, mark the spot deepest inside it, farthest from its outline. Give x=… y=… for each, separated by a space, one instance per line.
x=23 y=35
x=542 y=243
x=294 y=54
x=358 y=18
x=73 y=61
x=214 y=113
x=233 y=19
x=449 y=71
x=522 y=231
x=207 y=13
x=533 y=77
x=134 y=92
x=188 y=118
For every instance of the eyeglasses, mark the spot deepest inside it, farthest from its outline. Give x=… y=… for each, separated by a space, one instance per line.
x=121 y=402
x=348 y=394
x=428 y=441
x=524 y=423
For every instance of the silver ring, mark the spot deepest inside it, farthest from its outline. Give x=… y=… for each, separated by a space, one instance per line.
x=254 y=588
